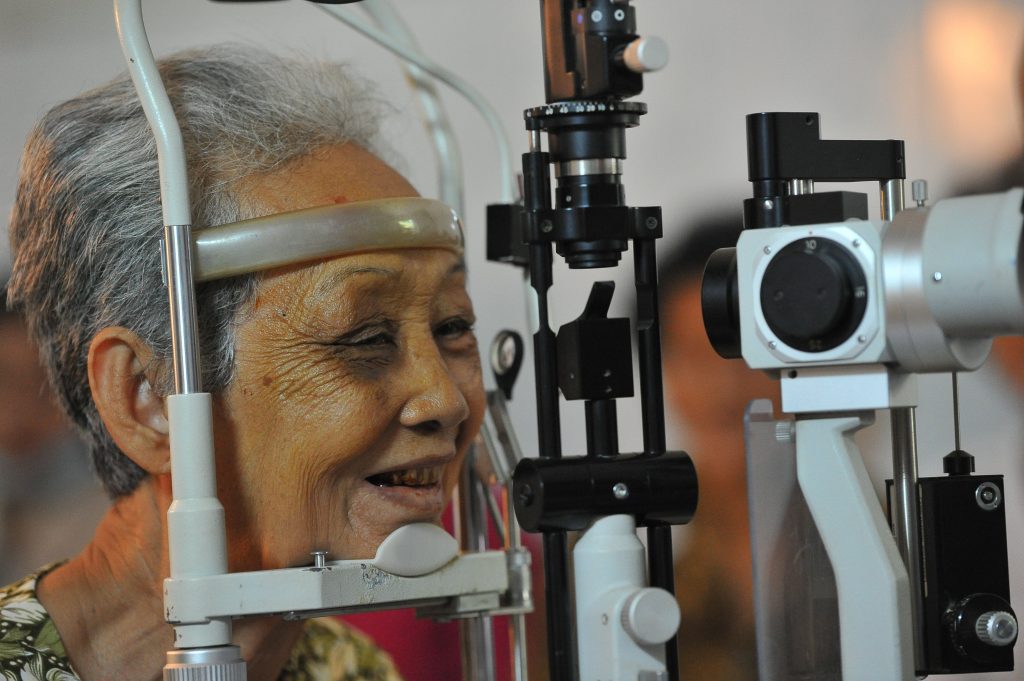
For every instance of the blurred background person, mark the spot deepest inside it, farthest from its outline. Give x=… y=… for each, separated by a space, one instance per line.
x=49 y=500
x=1009 y=352
x=706 y=395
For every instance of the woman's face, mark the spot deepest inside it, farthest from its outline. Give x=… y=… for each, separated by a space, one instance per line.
x=357 y=388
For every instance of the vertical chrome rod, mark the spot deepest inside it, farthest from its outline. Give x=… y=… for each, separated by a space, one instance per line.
x=906 y=513
x=181 y=295
x=892 y=198
x=478 y=632
x=520 y=658
x=956 y=412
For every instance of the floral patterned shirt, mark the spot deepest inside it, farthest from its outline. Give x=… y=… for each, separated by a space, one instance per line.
x=31 y=648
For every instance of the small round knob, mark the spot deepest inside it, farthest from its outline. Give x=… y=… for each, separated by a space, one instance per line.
x=646 y=54
x=650 y=616
x=919 y=190
x=996 y=628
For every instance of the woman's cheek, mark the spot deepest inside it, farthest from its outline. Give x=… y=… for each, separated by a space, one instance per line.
x=470 y=380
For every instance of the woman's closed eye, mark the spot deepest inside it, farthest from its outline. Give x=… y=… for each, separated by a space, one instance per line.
x=373 y=340
x=371 y=343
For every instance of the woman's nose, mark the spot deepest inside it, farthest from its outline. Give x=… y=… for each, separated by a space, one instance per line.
x=435 y=401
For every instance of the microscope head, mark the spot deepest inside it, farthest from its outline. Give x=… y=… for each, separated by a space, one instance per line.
x=813 y=283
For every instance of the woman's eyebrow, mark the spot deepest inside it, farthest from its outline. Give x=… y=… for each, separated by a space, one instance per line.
x=336 y=278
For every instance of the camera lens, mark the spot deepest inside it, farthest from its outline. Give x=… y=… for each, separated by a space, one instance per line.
x=813 y=294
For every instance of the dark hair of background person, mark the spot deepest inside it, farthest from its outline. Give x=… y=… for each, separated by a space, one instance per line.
x=6 y=313
x=685 y=259
x=706 y=395
x=1007 y=176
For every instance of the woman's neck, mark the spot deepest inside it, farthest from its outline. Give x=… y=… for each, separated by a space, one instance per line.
x=107 y=602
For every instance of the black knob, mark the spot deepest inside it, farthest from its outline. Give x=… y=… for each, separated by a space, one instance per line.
x=983 y=626
x=958 y=462
x=813 y=294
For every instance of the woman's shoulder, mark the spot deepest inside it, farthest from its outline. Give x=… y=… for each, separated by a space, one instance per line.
x=331 y=651
x=30 y=647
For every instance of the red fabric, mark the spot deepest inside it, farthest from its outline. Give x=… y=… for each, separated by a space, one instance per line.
x=423 y=650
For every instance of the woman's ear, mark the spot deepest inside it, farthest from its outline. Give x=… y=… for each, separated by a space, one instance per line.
x=132 y=411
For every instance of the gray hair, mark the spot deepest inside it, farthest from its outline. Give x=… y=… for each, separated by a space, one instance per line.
x=87 y=214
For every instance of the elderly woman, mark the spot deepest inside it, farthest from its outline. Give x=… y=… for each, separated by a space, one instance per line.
x=346 y=390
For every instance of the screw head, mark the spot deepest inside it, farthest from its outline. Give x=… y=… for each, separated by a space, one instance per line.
x=620 y=15
x=988 y=496
x=767 y=250
x=620 y=490
x=596 y=15
x=937 y=277
x=526 y=495
x=651 y=222
x=772 y=345
x=546 y=226
x=769 y=204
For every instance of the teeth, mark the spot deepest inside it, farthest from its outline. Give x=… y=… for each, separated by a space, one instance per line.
x=415 y=477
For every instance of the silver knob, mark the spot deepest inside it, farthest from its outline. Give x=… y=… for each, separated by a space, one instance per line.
x=221 y=663
x=646 y=54
x=919 y=190
x=996 y=628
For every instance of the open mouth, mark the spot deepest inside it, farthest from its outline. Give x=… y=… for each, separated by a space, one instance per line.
x=412 y=477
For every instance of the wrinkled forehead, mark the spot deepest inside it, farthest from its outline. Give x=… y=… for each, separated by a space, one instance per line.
x=395 y=282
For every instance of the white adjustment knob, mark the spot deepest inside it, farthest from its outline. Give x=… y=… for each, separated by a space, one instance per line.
x=919 y=190
x=646 y=54
x=650 y=616
x=996 y=628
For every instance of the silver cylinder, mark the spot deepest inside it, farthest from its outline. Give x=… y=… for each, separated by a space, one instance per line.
x=534 y=140
x=801 y=187
x=478 y=655
x=223 y=663
x=181 y=298
x=906 y=514
x=589 y=166
x=892 y=198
